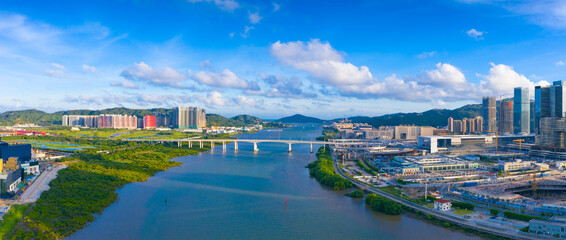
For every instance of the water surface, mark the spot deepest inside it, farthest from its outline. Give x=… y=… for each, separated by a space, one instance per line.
x=228 y=195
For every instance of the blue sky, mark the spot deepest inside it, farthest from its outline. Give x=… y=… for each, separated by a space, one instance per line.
x=275 y=58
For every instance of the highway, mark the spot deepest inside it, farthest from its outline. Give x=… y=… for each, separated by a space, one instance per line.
x=448 y=217
x=40 y=184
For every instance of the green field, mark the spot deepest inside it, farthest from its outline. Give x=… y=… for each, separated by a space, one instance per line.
x=463 y=211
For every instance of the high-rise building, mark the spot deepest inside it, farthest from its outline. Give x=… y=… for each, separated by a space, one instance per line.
x=450 y=127
x=117 y=121
x=550 y=111
x=489 y=114
x=552 y=132
x=506 y=116
x=149 y=122
x=532 y=116
x=189 y=117
x=162 y=120
x=521 y=110
x=79 y=120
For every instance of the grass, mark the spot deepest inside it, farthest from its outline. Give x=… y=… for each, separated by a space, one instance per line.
x=463 y=211
x=391 y=190
x=11 y=219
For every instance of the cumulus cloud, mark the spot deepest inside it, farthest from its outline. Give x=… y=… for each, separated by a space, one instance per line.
x=446 y=75
x=560 y=63
x=246 y=101
x=125 y=84
x=254 y=17
x=473 y=33
x=89 y=68
x=225 y=79
x=503 y=78
x=163 y=78
x=225 y=5
x=214 y=98
x=276 y=7
x=445 y=83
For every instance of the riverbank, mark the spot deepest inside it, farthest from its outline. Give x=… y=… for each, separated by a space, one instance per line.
x=89 y=185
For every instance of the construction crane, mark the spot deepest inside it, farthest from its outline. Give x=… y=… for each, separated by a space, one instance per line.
x=496 y=144
x=520 y=143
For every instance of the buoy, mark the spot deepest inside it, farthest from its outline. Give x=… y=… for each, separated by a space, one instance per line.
x=285 y=202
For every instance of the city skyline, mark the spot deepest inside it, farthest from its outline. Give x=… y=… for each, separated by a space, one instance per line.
x=277 y=58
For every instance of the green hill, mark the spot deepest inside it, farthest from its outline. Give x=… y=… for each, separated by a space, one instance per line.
x=247 y=119
x=298 y=118
x=434 y=117
x=43 y=118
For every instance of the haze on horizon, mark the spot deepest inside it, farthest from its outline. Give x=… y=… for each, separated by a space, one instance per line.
x=326 y=59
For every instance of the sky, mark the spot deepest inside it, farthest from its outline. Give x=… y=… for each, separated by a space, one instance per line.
x=327 y=59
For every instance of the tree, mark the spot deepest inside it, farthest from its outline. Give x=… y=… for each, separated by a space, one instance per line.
x=494 y=212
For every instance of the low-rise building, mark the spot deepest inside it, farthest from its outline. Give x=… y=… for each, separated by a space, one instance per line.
x=517 y=165
x=442 y=205
x=555 y=226
x=31 y=168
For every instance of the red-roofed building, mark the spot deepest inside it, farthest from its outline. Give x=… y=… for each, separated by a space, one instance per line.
x=442 y=204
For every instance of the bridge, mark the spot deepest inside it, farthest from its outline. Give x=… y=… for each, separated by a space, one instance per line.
x=201 y=141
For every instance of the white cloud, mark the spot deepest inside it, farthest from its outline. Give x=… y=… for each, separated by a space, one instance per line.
x=58 y=66
x=89 y=68
x=445 y=83
x=214 y=98
x=225 y=5
x=245 y=101
x=503 y=78
x=231 y=35
x=205 y=64
x=246 y=31
x=427 y=54
x=276 y=7
x=225 y=79
x=144 y=73
x=560 y=63
x=473 y=33
x=125 y=84
x=446 y=75
x=254 y=17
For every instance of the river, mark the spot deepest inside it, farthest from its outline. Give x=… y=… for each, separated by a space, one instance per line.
x=241 y=195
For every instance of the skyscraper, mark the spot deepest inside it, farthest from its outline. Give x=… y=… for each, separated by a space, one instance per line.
x=189 y=117
x=489 y=114
x=550 y=108
x=521 y=110
x=506 y=116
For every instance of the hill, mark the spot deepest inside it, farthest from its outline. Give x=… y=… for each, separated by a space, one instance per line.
x=298 y=118
x=247 y=119
x=43 y=118
x=353 y=119
x=434 y=117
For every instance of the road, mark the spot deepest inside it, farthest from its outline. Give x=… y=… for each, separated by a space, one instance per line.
x=41 y=184
x=448 y=217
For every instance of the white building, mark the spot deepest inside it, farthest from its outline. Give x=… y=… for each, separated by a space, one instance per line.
x=515 y=166
x=442 y=205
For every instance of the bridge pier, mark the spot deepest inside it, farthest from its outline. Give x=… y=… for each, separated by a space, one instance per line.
x=190 y=144
x=200 y=144
x=255 y=147
x=235 y=146
x=211 y=145
x=311 y=147
x=290 y=149
x=179 y=144
x=224 y=146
